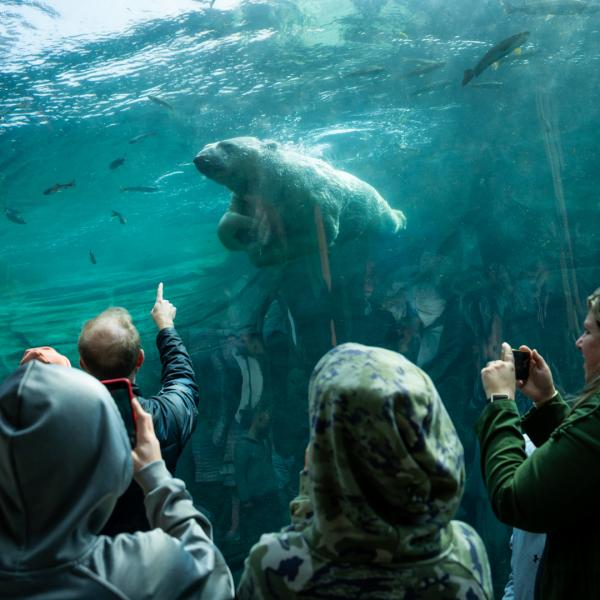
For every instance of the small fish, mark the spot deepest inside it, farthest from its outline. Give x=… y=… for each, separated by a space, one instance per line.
x=495 y=54
x=115 y=164
x=118 y=215
x=57 y=187
x=422 y=66
x=93 y=258
x=139 y=188
x=160 y=102
x=552 y=7
x=142 y=136
x=14 y=216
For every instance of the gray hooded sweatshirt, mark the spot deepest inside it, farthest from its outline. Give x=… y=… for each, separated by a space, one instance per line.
x=64 y=460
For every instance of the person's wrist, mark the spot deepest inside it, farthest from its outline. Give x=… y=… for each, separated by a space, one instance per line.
x=164 y=323
x=495 y=396
x=545 y=398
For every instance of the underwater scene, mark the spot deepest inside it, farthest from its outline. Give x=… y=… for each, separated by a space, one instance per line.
x=418 y=175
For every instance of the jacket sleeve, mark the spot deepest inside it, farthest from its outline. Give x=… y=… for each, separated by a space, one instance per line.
x=539 y=423
x=539 y=493
x=170 y=508
x=174 y=408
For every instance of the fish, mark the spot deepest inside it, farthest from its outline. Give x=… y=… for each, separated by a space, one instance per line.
x=422 y=66
x=142 y=136
x=552 y=7
x=115 y=164
x=495 y=54
x=160 y=102
x=14 y=216
x=118 y=215
x=139 y=188
x=93 y=258
x=57 y=187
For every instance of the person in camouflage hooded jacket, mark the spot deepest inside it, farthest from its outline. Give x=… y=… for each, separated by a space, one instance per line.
x=385 y=477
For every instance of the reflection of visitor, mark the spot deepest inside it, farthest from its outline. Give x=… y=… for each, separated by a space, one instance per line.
x=252 y=377
x=255 y=477
x=372 y=324
x=407 y=321
x=427 y=301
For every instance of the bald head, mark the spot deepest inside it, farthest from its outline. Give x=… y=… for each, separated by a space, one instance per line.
x=109 y=345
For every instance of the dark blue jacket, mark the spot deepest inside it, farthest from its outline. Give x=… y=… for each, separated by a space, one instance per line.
x=174 y=412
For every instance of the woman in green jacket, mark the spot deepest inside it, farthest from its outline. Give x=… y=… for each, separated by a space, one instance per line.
x=556 y=489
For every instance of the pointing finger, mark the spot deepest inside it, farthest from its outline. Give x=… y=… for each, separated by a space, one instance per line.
x=507 y=354
x=159 y=292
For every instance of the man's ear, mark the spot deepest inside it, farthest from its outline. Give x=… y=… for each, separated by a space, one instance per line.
x=140 y=359
x=82 y=365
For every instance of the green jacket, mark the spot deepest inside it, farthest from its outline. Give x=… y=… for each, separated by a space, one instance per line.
x=555 y=490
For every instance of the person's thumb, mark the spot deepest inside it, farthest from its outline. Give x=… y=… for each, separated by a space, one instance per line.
x=506 y=353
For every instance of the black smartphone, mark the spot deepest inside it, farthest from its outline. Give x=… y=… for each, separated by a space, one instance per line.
x=122 y=393
x=522 y=360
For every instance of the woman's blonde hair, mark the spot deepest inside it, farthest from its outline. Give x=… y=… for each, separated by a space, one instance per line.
x=592 y=387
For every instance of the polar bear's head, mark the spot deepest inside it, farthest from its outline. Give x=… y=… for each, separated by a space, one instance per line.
x=234 y=163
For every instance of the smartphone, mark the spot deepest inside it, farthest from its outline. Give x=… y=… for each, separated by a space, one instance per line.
x=522 y=360
x=122 y=393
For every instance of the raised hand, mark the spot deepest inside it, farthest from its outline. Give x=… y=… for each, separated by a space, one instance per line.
x=163 y=312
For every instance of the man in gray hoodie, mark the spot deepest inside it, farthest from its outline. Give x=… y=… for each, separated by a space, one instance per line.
x=64 y=460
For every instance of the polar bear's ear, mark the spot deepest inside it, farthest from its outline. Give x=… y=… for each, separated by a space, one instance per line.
x=271 y=145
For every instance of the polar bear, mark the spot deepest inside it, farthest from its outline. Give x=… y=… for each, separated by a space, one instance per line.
x=282 y=200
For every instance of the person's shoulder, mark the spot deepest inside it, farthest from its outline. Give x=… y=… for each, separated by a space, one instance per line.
x=286 y=558
x=141 y=546
x=276 y=550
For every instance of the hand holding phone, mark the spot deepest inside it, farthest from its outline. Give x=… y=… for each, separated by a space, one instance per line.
x=122 y=393
x=147 y=448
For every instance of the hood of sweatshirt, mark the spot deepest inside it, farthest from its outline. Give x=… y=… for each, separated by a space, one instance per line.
x=386 y=470
x=64 y=460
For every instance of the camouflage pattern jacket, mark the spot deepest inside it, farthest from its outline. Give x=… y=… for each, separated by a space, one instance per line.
x=374 y=516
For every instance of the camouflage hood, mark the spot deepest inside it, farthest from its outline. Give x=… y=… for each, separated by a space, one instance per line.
x=386 y=469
